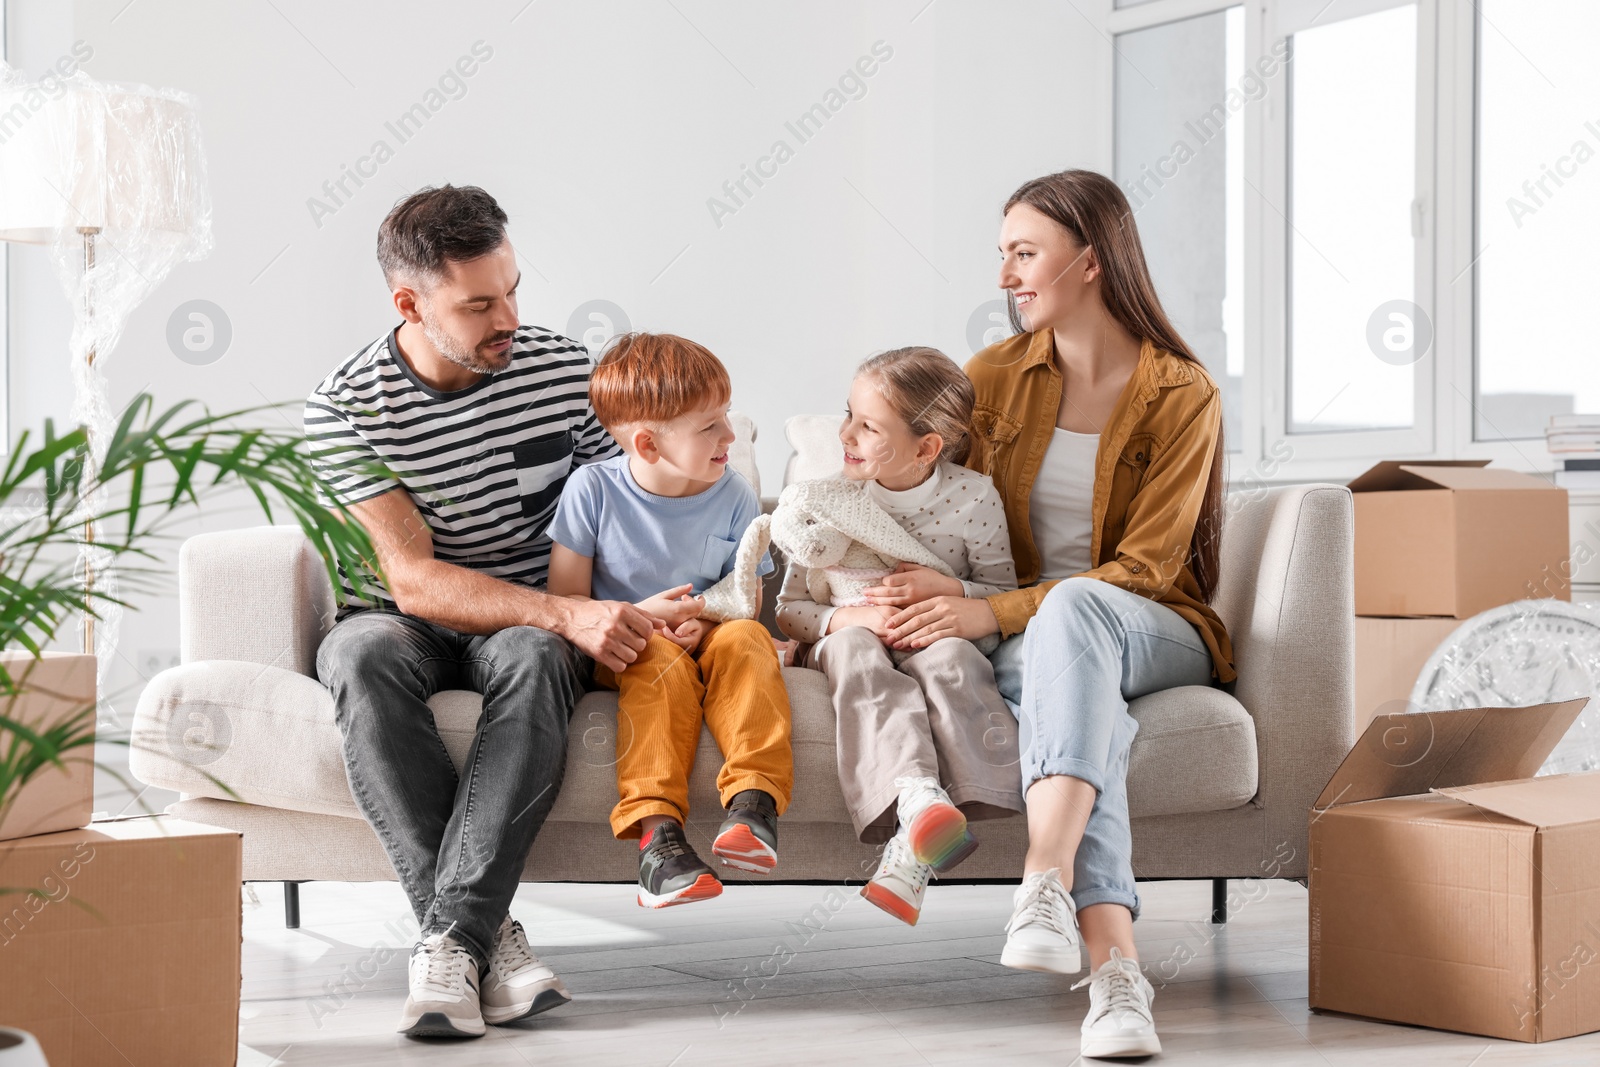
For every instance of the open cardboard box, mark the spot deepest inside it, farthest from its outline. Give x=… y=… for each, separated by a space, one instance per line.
x=1451 y=889
x=1454 y=537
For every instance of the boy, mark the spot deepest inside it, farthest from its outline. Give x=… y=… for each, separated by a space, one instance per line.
x=668 y=515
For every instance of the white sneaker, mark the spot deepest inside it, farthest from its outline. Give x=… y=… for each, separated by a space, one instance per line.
x=1043 y=932
x=517 y=983
x=1119 y=1022
x=443 y=999
x=934 y=827
x=898 y=885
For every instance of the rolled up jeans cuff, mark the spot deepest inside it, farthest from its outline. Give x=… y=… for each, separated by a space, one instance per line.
x=1064 y=766
x=1085 y=898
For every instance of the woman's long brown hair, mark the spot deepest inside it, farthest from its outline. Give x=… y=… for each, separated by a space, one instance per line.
x=1091 y=208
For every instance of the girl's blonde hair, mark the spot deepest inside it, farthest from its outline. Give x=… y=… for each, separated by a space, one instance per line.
x=929 y=392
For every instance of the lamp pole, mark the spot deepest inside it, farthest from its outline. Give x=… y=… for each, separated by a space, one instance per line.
x=88 y=233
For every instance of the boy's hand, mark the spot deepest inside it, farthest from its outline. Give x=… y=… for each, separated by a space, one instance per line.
x=689 y=634
x=912 y=584
x=874 y=617
x=672 y=606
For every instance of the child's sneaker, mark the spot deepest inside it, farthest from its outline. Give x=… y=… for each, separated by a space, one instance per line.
x=900 y=881
x=669 y=871
x=935 y=828
x=748 y=839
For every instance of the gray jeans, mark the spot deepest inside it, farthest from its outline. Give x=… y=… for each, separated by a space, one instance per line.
x=457 y=843
x=1069 y=676
x=935 y=716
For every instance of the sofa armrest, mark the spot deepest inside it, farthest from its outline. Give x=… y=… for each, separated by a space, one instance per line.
x=260 y=595
x=1287 y=595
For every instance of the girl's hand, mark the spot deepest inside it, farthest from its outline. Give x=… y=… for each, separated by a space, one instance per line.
x=874 y=618
x=912 y=584
x=922 y=624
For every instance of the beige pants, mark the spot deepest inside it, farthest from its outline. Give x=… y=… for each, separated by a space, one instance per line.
x=938 y=715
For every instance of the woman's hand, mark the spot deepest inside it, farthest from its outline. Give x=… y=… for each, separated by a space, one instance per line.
x=912 y=584
x=920 y=625
x=874 y=618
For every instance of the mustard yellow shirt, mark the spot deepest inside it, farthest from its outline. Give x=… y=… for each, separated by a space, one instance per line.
x=1151 y=469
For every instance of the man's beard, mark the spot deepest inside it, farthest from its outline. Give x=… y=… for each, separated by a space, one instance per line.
x=470 y=358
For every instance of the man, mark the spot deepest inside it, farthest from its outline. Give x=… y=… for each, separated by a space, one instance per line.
x=450 y=438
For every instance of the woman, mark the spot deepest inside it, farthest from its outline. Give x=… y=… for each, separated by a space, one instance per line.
x=1103 y=434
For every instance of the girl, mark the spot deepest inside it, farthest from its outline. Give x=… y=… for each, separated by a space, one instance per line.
x=937 y=717
x=1117 y=549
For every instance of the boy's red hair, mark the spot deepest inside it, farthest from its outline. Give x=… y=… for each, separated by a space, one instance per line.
x=652 y=378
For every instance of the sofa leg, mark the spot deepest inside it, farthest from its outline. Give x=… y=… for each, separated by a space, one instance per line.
x=1219 y=900
x=291 y=905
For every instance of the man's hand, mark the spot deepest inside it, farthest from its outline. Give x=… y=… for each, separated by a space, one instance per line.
x=912 y=584
x=673 y=607
x=610 y=631
x=873 y=617
x=922 y=624
x=689 y=634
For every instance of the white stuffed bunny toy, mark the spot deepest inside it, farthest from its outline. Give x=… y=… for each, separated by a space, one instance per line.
x=843 y=538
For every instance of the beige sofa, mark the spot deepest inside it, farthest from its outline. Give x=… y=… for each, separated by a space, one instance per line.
x=1220 y=782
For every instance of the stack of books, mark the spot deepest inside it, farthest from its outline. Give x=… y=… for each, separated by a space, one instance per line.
x=1574 y=441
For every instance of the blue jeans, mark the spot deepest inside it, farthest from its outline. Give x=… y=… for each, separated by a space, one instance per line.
x=1068 y=678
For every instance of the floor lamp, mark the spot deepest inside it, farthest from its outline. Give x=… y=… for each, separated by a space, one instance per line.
x=113 y=179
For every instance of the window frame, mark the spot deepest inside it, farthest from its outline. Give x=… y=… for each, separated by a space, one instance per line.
x=5 y=296
x=1446 y=279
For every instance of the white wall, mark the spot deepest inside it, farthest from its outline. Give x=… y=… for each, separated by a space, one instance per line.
x=602 y=128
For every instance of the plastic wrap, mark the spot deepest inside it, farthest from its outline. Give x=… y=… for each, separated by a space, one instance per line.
x=1527 y=652
x=127 y=163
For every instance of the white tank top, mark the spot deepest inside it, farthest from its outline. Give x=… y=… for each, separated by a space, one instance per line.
x=1061 y=507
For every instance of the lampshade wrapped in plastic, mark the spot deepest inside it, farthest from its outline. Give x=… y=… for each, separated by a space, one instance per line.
x=1527 y=652
x=123 y=165
x=126 y=161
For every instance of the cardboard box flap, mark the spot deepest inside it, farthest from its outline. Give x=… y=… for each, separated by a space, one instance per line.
x=1475 y=477
x=1555 y=800
x=1404 y=755
x=1394 y=474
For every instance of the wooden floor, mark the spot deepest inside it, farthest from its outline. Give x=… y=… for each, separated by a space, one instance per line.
x=776 y=975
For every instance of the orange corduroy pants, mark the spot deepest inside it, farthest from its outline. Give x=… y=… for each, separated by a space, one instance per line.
x=734 y=684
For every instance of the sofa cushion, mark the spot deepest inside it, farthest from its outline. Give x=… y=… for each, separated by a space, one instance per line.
x=1195 y=751
x=240 y=731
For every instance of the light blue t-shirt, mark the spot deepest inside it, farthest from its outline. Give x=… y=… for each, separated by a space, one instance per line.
x=642 y=543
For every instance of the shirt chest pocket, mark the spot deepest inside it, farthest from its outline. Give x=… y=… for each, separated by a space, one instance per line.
x=997 y=433
x=541 y=465
x=717 y=556
x=1136 y=456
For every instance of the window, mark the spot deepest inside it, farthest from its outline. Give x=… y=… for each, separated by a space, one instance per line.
x=1538 y=214
x=1179 y=149
x=1354 y=334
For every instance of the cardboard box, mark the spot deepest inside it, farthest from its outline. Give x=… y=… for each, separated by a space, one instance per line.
x=1390 y=654
x=57 y=687
x=129 y=951
x=1448 y=888
x=1453 y=537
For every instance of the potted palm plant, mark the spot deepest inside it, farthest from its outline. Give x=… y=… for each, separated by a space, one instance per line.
x=56 y=487
x=151 y=468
